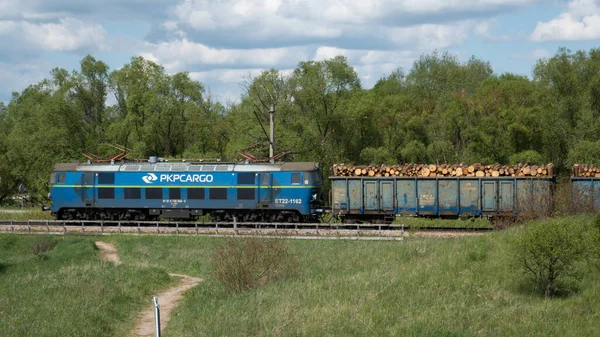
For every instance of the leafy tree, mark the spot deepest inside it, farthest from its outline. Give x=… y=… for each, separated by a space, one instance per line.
x=152 y=108
x=393 y=84
x=89 y=90
x=206 y=134
x=528 y=156
x=44 y=128
x=269 y=91
x=585 y=152
x=414 y=152
x=320 y=90
x=380 y=155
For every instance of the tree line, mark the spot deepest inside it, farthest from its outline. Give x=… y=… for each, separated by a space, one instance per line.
x=440 y=111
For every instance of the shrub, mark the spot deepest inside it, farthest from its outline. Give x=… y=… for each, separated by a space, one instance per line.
x=547 y=251
x=42 y=245
x=528 y=156
x=584 y=151
x=597 y=221
x=380 y=155
x=244 y=263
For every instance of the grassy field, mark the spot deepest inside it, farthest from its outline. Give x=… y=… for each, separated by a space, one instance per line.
x=69 y=291
x=417 y=287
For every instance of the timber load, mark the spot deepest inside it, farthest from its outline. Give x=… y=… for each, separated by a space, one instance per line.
x=586 y=170
x=443 y=170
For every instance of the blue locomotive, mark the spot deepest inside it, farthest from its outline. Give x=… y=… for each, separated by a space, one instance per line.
x=280 y=192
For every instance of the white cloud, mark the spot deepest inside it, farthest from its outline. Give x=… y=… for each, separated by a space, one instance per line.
x=93 y=10
x=179 y=55
x=344 y=11
x=533 y=56
x=225 y=85
x=483 y=28
x=250 y=19
x=221 y=41
x=228 y=76
x=269 y=20
x=365 y=57
x=324 y=53
x=66 y=35
x=371 y=65
x=581 y=21
x=430 y=36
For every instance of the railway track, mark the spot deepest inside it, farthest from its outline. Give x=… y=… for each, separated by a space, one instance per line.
x=291 y=230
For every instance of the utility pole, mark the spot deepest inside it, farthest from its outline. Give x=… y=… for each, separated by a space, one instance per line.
x=272 y=134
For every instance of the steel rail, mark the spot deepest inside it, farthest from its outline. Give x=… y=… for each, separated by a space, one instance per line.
x=281 y=230
x=234 y=225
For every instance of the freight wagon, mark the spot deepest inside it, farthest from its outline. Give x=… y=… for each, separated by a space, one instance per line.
x=379 y=200
x=586 y=194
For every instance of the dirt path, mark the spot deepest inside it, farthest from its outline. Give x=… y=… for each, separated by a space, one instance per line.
x=109 y=252
x=168 y=300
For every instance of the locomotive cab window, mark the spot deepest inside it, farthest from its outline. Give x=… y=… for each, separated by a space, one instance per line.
x=61 y=178
x=296 y=178
x=106 y=178
x=245 y=178
x=318 y=178
x=308 y=178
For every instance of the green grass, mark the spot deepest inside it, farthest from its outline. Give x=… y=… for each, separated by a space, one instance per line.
x=69 y=291
x=26 y=213
x=417 y=287
x=417 y=223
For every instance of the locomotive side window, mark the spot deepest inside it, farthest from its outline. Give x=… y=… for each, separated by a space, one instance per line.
x=245 y=178
x=218 y=194
x=174 y=193
x=61 y=178
x=308 y=178
x=265 y=179
x=246 y=194
x=106 y=193
x=195 y=193
x=295 y=178
x=106 y=178
x=154 y=193
x=133 y=193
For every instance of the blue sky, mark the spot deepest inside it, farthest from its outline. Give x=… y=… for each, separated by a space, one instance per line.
x=222 y=42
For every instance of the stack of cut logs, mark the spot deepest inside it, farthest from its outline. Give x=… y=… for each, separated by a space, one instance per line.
x=586 y=170
x=443 y=170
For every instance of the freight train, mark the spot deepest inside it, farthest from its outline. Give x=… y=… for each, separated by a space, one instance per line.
x=286 y=192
